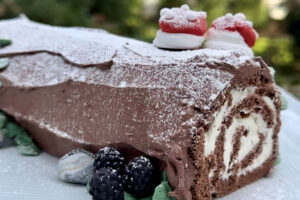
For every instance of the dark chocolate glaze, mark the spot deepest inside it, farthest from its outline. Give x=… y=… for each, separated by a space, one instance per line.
x=85 y=88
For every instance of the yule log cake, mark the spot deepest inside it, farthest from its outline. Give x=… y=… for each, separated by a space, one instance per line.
x=210 y=116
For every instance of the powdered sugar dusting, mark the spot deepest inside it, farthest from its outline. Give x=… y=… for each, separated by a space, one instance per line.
x=48 y=127
x=146 y=54
x=181 y=17
x=61 y=133
x=164 y=92
x=231 y=21
x=167 y=85
x=202 y=83
x=77 y=45
x=86 y=47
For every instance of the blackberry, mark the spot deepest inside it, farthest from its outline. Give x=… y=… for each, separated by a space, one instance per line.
x=140 y=177
x=107 y=184
x=109 y=157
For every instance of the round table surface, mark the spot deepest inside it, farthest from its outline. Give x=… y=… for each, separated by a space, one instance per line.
x=34 y=178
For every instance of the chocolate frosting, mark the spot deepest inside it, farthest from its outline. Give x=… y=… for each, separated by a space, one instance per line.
x=77 y=87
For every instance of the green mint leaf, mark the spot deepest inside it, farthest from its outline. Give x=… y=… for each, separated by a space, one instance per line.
x=164 y=177
x=3 y=120
x=4 y=42
x=25 y=144
x=4 y=62
x=23 y=139
x=161 y=192
x=128 y=196
x=88 y=186
x=284 y=103
x=1 y=84
x=29 y=150
x=12 y=129
x=146 y=198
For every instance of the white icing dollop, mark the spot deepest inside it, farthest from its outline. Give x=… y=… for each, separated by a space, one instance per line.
x=182 y=14
x=227 y=40
x=191 y=16
x=185 y=7
x=164 y=11
x=177 y=40
x=230 y=20
x=169 y=15
x=240 y=15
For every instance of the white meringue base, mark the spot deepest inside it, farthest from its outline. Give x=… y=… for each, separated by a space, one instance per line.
x=177 y=40
x=227 y=40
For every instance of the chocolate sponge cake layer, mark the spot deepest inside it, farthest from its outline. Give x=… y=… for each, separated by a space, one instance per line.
x=210 y=116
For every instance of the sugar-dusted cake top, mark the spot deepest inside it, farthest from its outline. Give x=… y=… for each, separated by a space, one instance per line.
x=80 y=46
x=96 y=57
x=86 y=47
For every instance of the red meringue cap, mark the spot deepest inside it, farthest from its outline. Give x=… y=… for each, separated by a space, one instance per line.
x=183 y=20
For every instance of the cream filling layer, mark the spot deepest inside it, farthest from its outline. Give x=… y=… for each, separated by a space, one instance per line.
x=213 y=132
x=254 y=123
x=267 y=145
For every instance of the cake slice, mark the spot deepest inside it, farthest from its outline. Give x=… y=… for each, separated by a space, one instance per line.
x=210 y=116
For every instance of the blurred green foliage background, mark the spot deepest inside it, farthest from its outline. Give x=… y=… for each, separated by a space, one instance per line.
x=277 y=22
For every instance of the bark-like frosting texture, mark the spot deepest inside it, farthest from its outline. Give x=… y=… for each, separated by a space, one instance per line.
x=85 y=88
